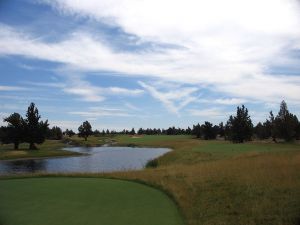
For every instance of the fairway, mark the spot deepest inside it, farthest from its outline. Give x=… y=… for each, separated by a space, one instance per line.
x=88 y=201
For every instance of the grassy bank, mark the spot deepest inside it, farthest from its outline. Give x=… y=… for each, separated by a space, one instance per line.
x=88 y=201
x=50 y=148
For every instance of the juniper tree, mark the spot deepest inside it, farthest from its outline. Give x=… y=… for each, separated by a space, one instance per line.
x=14 y=132
x=85 y=130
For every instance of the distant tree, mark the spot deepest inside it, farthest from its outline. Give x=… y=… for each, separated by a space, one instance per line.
x=221 y=129
x=298 y=131
x=14 y=132
x=35 y=130
x=96 y=132
x=259 y=131
x=2 y=133
x=188 y=131
x=285 y=124
x=132 y=132
x=209 y=132
x=263 y=130
x=85 y=130
x=197 y=130
x=140 y=131
x=239 y=128
x=273 y=129
x=69 y=133
x=55 y=133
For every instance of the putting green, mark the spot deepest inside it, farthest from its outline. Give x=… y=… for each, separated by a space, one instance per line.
x=83 y=201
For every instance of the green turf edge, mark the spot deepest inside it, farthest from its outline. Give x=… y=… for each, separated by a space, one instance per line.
x=138 y=181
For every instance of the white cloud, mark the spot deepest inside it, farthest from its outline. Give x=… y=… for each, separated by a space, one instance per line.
x=92 y=93
x=45 y=84
x=65 y=124
x=122 y=91
x=96 y=112
x=12 y=88
x=86 y=92
x=225 y=45
x=131 y=106
x=76 y=85
x=211 y=113
x=224 y=101
x=181 y=96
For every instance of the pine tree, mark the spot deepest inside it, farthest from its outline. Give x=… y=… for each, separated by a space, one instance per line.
x=35 y=130
x=209 y=131
x=239 y=128
x=285 y=124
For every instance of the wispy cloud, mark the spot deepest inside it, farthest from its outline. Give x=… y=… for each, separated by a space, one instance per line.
x=76 y=85
x=65 y=124
x=45 y=84
x=223 y=101
x=96 y=112
x=231 y=53
x=122 y=91
x=207 y=113
x=173 y=100
x=26 y=67
x=12 y=88
x=131 y=106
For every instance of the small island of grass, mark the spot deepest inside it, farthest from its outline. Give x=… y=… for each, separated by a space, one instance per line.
x=50 y=148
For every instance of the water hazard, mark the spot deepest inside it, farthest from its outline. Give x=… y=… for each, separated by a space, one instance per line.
x=97 y=159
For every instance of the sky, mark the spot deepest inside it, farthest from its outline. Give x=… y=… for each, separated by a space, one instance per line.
x=148 y=63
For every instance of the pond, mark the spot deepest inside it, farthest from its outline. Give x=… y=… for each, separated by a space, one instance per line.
x=97 y=159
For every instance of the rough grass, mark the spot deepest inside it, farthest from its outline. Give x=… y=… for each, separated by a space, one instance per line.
x=88 y=201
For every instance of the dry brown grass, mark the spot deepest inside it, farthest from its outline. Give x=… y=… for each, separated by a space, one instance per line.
x=264 y=189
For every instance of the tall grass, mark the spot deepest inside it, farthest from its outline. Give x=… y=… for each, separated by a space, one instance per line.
x=216 y=182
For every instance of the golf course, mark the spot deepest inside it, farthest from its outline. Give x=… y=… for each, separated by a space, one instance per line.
x=204 y=182
x=89 y=201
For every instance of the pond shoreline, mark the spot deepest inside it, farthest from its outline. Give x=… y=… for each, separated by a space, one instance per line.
x=43 y=157
x=91 y=160
x=68 y=144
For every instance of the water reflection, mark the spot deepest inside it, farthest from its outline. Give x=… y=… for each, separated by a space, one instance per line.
x=99 y=159
x=24 y=165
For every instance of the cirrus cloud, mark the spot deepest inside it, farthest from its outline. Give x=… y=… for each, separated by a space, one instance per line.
x=219 y=45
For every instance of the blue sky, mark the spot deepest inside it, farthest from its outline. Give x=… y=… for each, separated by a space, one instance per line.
x=126 y=63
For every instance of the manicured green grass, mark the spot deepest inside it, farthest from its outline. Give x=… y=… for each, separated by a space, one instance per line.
x=91 y=141
x=50 y=148
x=88 y=201
x=192 y=150
x=149 y=139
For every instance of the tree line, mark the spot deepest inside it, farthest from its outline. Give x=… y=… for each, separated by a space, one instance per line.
x=238 y=128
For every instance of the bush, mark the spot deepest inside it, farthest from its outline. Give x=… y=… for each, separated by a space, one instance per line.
x=153 y=163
